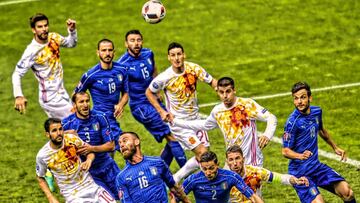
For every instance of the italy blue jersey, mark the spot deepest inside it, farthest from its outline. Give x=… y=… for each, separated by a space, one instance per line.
x=95 y=131
x=144 y=181
x=105 y=86
x=140 y=73
x=300 y=134
x=216 y=190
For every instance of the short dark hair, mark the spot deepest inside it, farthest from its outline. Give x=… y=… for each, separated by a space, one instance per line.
x=134 y=134
x=74 y=96
x=174 y=45
x=105 y=40
x=135 y=32
x=301 y=85
x=226 y=81
x=208 y=156
x=50 y=121
x=37 y=17
x=234 y=149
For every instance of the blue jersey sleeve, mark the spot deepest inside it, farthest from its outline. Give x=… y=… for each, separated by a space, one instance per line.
x=167 y=175
x=123 y=192
x=241 y=186
x=188 y=184
x=83 y=84
x=289 y=134
x=106 y=132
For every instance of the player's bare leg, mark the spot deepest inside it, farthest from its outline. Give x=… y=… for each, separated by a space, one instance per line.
x=343 y=190
x=318 y=199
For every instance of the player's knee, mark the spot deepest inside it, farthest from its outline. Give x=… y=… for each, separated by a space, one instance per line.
x=347 y=194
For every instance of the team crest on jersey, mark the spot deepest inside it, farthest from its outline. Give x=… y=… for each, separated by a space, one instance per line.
x=312 y=131
x=96 y=126
x=149 y=61
x=317 y=120
x=120 y=77
x=313 y=191
x=153 y=171
x=224 y=185
x=286 y=136
x=192 y=140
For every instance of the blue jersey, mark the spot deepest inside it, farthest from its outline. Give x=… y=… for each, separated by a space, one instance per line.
x=140 y=73
x=144 y=181
x=300 y=134
x=95 y=131
x=105 y=86
x=216 y=190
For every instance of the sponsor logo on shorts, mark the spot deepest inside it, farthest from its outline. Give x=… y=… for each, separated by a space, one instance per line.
x=155 y=85
x=192 y=140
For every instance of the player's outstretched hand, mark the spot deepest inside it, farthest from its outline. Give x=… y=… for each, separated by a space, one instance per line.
x=299 y=181
x=263 y=141
x=86 y=165
x=71 y=24
x=341 y=153
x=118 y=111
x=20 y=104
x=84 y=149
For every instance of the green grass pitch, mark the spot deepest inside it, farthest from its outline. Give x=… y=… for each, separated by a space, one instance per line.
x=265 y=45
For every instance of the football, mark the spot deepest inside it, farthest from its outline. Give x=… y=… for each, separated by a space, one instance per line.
x=153 y=11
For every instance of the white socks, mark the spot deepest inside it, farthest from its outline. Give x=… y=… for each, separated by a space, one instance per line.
x=191 y=165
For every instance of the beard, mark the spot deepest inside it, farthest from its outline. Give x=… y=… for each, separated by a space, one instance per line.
x=130 y=153
x=56 y=142
x=43 y=36
x=107 y=59
x=135 y=51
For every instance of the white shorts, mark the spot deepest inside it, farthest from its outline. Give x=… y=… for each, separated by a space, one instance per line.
x=188 y=138
x=91 y=194
x=58 y=107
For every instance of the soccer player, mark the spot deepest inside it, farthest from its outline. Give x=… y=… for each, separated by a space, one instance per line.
x=72 y=176
x=140 y=65
x=254 y=176
x=108 y=86
x=236 y=117
x=179 y=84
x=213 y=184
x=94 y=129
x=42 y=55
x=300 y=145
x=143 y=178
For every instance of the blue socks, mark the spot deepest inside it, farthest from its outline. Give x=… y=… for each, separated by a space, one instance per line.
x=167 y=155
x=178 y=152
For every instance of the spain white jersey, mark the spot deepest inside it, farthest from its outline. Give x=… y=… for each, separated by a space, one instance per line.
x=180 y=89
x=64 y=164
x=238 y=125
x=44 y=60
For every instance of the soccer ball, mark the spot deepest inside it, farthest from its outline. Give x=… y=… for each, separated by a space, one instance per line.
x=153 y=11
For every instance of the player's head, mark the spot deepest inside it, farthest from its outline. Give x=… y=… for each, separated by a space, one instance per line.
x=226 y=91
x=106 y=51
x=235 y=158
x=129 y=143
x=54 y=130
x=301 y=93
x=39 y=24
x=209 y=164
x=133 y=42
x=81 y=101
x=176 y=55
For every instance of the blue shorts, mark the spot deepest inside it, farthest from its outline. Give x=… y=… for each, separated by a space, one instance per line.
x=322 y=176
x=150 y=118
x=105 y=176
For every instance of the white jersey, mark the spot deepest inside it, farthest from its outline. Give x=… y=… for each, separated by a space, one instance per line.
x=180 y=89
x=44 y=60
x=238 y=125
x=64 y=164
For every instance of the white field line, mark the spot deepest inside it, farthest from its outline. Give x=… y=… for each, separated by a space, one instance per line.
x=279 y=140
x=15 y=2
x=289 y=93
